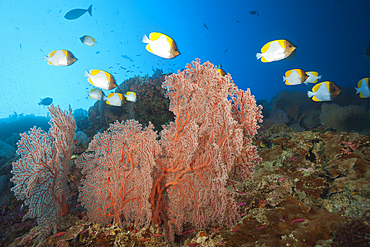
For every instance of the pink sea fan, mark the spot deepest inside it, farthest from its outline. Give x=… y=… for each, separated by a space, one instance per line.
x=41 y=172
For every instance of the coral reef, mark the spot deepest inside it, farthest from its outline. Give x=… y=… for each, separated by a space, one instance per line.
x=344 y=118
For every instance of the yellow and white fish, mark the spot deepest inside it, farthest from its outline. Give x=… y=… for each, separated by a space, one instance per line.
x=101 y=79
x=96 y=94
x=60 y=58
x=295 y=77
x=115 y=99
x=220 y=70
x=313 y=77
x=161 y=45
x=276 y=50
x=88 y=40
x=324 y=91
x=363 y=88
x=130 y=96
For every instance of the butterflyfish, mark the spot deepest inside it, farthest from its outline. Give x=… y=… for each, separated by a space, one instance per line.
x=313 y=77
x=46 y=101
x=276 y=50
x=295 y=77
x=161 y=45
x=76 y=13
x=88 y=40
x=115 y=99
x=363 y=88
x=96 y=94
x=60 y=58
x=101 y=79
x=220 y=70
x=130 y=96
x=324 y=91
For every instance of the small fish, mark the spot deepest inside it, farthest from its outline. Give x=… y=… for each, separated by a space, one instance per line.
x=60 y=58
x=282 y=179
x=46 y=101
x=76 y=13
x=236 y=229
x=161 y=45
x=219 y=228
x=101 y=79
x=20 y=46
x=96 y=94
x=88 y=40
x=295 y=77
x=260 y=228
x=226 y=50
x=193 y=244
x=188 y=232
x=220 y=70
x=205 y=26
x=363 y=88
x=243 y=214
x=313 y=77
x=115 y=99
x=158 y=235
x=144 y=239
x=241 y=204
x=59 y=234
x=240 y=192
x=127 y=57
x=324 y=91
x=254 y=12
x=292 y=159
x=276 y=50
x=297 y=221
x=130 y=96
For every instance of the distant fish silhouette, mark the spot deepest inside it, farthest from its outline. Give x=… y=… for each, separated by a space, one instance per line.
x=367 y=52
x=254 y=12
x=127 y=57
x=205 y=26
x=46 y=101
x=76 y=13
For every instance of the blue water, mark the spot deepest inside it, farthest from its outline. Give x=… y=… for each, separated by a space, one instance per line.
x=330 y=35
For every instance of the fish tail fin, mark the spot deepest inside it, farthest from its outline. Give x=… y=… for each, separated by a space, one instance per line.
x=310 y=94
x=86 y=74
x=105 y=98
x=46 y=58
x=357 y=90
x=259 y=55
x=90 y=10
x=319 y=77
x=284 y=78
x=145 y=39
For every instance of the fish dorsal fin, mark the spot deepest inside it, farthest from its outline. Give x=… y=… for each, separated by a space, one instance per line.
x=288 y=73
x=95 y=71
x=266 y=47
x=154 y=36
x=316 y=87
x=52 y=53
